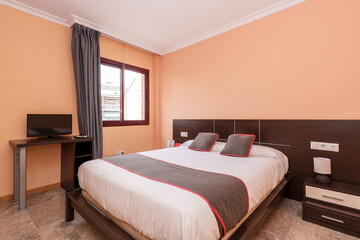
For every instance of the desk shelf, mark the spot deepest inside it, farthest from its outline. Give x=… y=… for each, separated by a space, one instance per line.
x=83 y=148
x=84 y=155
x=73 y=152
x=72 y=156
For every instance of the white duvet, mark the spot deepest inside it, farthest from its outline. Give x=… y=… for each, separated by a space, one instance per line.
x=161 y=211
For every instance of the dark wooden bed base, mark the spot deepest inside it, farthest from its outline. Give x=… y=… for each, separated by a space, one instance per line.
x=292 y=137
x=109 y=230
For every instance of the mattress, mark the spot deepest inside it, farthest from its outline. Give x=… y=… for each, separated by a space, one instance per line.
x=137 y=235
x=160 y=211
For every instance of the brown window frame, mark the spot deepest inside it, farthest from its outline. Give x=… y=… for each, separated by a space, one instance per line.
x=123 y=66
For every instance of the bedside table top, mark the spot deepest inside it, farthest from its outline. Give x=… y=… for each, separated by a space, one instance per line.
x=334 y=185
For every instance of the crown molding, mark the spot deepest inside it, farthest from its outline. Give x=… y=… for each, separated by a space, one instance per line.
x=112 y=34
x=235 y=24
x=68 y=22
x=34 y=11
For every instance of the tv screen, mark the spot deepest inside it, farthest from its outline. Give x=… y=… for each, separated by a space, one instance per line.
x=48 y=124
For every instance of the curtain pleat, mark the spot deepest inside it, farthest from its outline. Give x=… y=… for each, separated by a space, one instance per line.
x=86 y=60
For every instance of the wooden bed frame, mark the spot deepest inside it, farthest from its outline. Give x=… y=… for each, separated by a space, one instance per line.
x=292 y=137
x=109 y=230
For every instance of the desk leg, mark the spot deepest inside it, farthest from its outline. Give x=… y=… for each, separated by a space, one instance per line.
x=22 y=178
x=16 y=173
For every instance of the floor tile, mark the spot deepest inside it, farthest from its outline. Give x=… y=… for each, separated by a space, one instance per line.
x=44 y=220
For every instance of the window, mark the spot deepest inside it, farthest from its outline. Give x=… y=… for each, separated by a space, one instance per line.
x=124 y=94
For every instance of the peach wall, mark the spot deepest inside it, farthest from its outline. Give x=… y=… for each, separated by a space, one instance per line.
x=36 y=75
x=130 y=138
x=299 y=63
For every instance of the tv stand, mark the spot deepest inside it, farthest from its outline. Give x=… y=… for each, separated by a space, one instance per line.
x=74 y=151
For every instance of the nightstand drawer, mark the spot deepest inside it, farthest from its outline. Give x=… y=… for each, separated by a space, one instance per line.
x=333 y=218
x=339 y=198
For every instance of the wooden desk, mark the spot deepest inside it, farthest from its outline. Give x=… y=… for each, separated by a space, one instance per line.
x=70 y=148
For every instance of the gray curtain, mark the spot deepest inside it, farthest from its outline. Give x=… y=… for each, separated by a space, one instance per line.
x=86 y=59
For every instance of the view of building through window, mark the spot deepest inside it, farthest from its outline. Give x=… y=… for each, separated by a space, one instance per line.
x=134 y=95
x=111 y=94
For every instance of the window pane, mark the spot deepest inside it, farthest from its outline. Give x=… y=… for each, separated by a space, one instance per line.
x=110 y=93
x=134 y=95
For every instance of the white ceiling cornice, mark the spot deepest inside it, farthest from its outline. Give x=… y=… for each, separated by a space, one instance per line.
x=34 y=11
x=112 y=34
x=76 y=19
x=235 y=24
x=142 y=45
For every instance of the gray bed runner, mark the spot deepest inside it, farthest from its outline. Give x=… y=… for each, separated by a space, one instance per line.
x=226 y=195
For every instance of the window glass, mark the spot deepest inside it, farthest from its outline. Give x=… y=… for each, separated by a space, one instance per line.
x=134 y=95
x=124 y=94
x=110 y=92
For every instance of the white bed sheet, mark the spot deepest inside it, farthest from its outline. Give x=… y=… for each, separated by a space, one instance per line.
x=161 y=211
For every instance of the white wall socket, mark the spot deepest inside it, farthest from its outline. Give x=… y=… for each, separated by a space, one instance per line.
x=184 y=134
x=332 y=147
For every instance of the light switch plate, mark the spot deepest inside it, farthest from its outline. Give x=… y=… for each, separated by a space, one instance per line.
x=183 y=134
x=323 y=146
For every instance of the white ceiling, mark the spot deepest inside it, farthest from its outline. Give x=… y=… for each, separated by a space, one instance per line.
x=159 y=26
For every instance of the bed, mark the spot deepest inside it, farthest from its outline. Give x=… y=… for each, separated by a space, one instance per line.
x=121 y=204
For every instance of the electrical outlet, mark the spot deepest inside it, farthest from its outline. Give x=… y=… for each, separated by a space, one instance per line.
x=332 y=147
x=183 y=134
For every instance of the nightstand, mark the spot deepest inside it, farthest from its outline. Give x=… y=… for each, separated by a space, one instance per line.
x=335 y=205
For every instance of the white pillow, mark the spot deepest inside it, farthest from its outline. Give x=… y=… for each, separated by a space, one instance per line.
x=187 y=143
x=257 y=150
x=218 y=146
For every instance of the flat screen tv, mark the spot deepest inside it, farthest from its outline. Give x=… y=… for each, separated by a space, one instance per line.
x=50 y=125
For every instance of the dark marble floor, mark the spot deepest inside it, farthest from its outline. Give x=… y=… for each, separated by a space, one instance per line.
x=44 y=219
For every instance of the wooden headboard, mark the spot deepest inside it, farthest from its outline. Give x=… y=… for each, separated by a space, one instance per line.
x=293 y=138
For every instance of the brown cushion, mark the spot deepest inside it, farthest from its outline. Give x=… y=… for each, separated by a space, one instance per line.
x=238 y=145
x=204 y=141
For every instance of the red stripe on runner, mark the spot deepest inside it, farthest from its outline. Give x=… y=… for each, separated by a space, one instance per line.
x=211 y=207
x=247 y=192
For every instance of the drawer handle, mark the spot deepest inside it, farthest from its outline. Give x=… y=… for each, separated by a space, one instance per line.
x=332 y=219
x=334 y=198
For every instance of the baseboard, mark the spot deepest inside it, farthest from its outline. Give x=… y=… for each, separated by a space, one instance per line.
x=31 y=191
x=6 y=198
